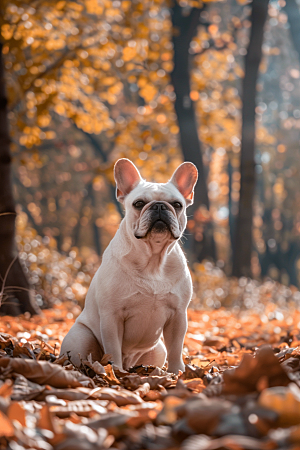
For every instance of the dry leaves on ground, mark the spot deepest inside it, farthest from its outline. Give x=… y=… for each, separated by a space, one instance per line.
x=240 y=388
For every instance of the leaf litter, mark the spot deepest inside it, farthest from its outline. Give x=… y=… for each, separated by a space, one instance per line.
x=240 y=388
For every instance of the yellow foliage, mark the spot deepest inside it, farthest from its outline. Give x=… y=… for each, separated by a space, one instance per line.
x=106 y=66
x=129 y=53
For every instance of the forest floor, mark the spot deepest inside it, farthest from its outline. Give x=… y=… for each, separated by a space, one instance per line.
x=240 y=389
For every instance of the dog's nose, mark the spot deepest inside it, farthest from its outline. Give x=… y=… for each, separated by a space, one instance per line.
x=159 y=206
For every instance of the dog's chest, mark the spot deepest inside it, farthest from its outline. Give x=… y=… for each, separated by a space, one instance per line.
x=144 y=319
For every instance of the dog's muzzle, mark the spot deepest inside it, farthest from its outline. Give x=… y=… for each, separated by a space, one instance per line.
x=159 y=219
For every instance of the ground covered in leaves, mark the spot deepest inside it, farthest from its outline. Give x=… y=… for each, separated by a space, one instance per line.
x=240 y=389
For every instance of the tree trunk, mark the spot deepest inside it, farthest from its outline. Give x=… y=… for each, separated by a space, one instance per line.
x=241 y=265
x=96 y=230
x=292 y=10
x=21 y=298
x=185 y=28
x=96 y=144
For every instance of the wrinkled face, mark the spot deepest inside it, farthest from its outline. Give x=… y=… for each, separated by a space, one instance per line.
x=156 y=210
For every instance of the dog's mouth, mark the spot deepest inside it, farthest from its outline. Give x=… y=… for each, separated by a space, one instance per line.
x=158 y=226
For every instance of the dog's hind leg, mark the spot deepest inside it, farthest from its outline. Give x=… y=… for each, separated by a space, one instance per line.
x=156 y=356
x=79 y=343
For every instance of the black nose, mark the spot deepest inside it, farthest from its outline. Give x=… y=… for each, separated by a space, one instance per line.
x=159 y=206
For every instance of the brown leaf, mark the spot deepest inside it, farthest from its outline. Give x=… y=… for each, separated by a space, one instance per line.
x=112 y=421
x=95 y=366
x=244 y=379
x=23 y=351
x=111 y=377
x=230 y=442
x=195 y=385
x=168 y=415
x=191 y=372
x=61 y=360
x=43 y=372
x=202 y=414
x=156 y=382
x=46 y=422
x=142 y=390
x=159 y=372
x=152 y=396
x=106 y=358
x=132 y=381
x=65 y=394
x=148 y=370
x=121 y=397
x=285 y=401
x=120 y=373
x=6 y=341
x=6 y=427
x=291 y=364
x=145 y=415
x=80 y=407
x=6 y=388
x=24 y=389
x=17 y=412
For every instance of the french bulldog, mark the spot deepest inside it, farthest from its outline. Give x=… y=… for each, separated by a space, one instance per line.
x=136 y=306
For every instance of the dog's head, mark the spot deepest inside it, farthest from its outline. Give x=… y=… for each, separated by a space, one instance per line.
x=155 y=210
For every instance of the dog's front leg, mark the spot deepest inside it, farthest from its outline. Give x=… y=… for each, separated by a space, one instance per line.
x=112 y=331
x=174 y=332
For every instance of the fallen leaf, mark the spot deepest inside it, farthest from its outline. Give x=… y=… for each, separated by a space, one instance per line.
x=17 y=412
x=6 y=427
x=196 y=385
x=142 y=390
x=24 y=389
x=168 y=415
x=23 y=351
x=95 y=366
x=121 y=397
x=201 y=415
x=191 y=372
x=43 y=372
x=111 y=377
x=285 y=401
x=80 y=407
x=246 y=376
x=232 y=442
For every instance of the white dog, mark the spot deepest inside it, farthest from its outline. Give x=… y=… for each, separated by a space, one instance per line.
x=136 y=306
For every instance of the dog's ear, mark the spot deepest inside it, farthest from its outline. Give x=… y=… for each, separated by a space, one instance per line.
x=184 y=178
x=126 y=176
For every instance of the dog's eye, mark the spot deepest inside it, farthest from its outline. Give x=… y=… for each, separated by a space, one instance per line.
x=139 y=204
x=177 y=205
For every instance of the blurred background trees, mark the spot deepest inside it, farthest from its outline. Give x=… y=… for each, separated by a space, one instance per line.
x=242 y=241
x=158 y=82
x=10 y=266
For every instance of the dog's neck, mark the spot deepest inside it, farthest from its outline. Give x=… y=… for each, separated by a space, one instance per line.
x=143 y=256
x=159 y=246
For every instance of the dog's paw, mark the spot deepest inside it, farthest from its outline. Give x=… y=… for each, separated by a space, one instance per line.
x=174 y=368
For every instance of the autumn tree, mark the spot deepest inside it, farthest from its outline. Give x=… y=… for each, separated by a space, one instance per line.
x=93 y=58
x=242 y=249
x=16 y=295
x=185 y=24
x=111 y=76
x=96 y=61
